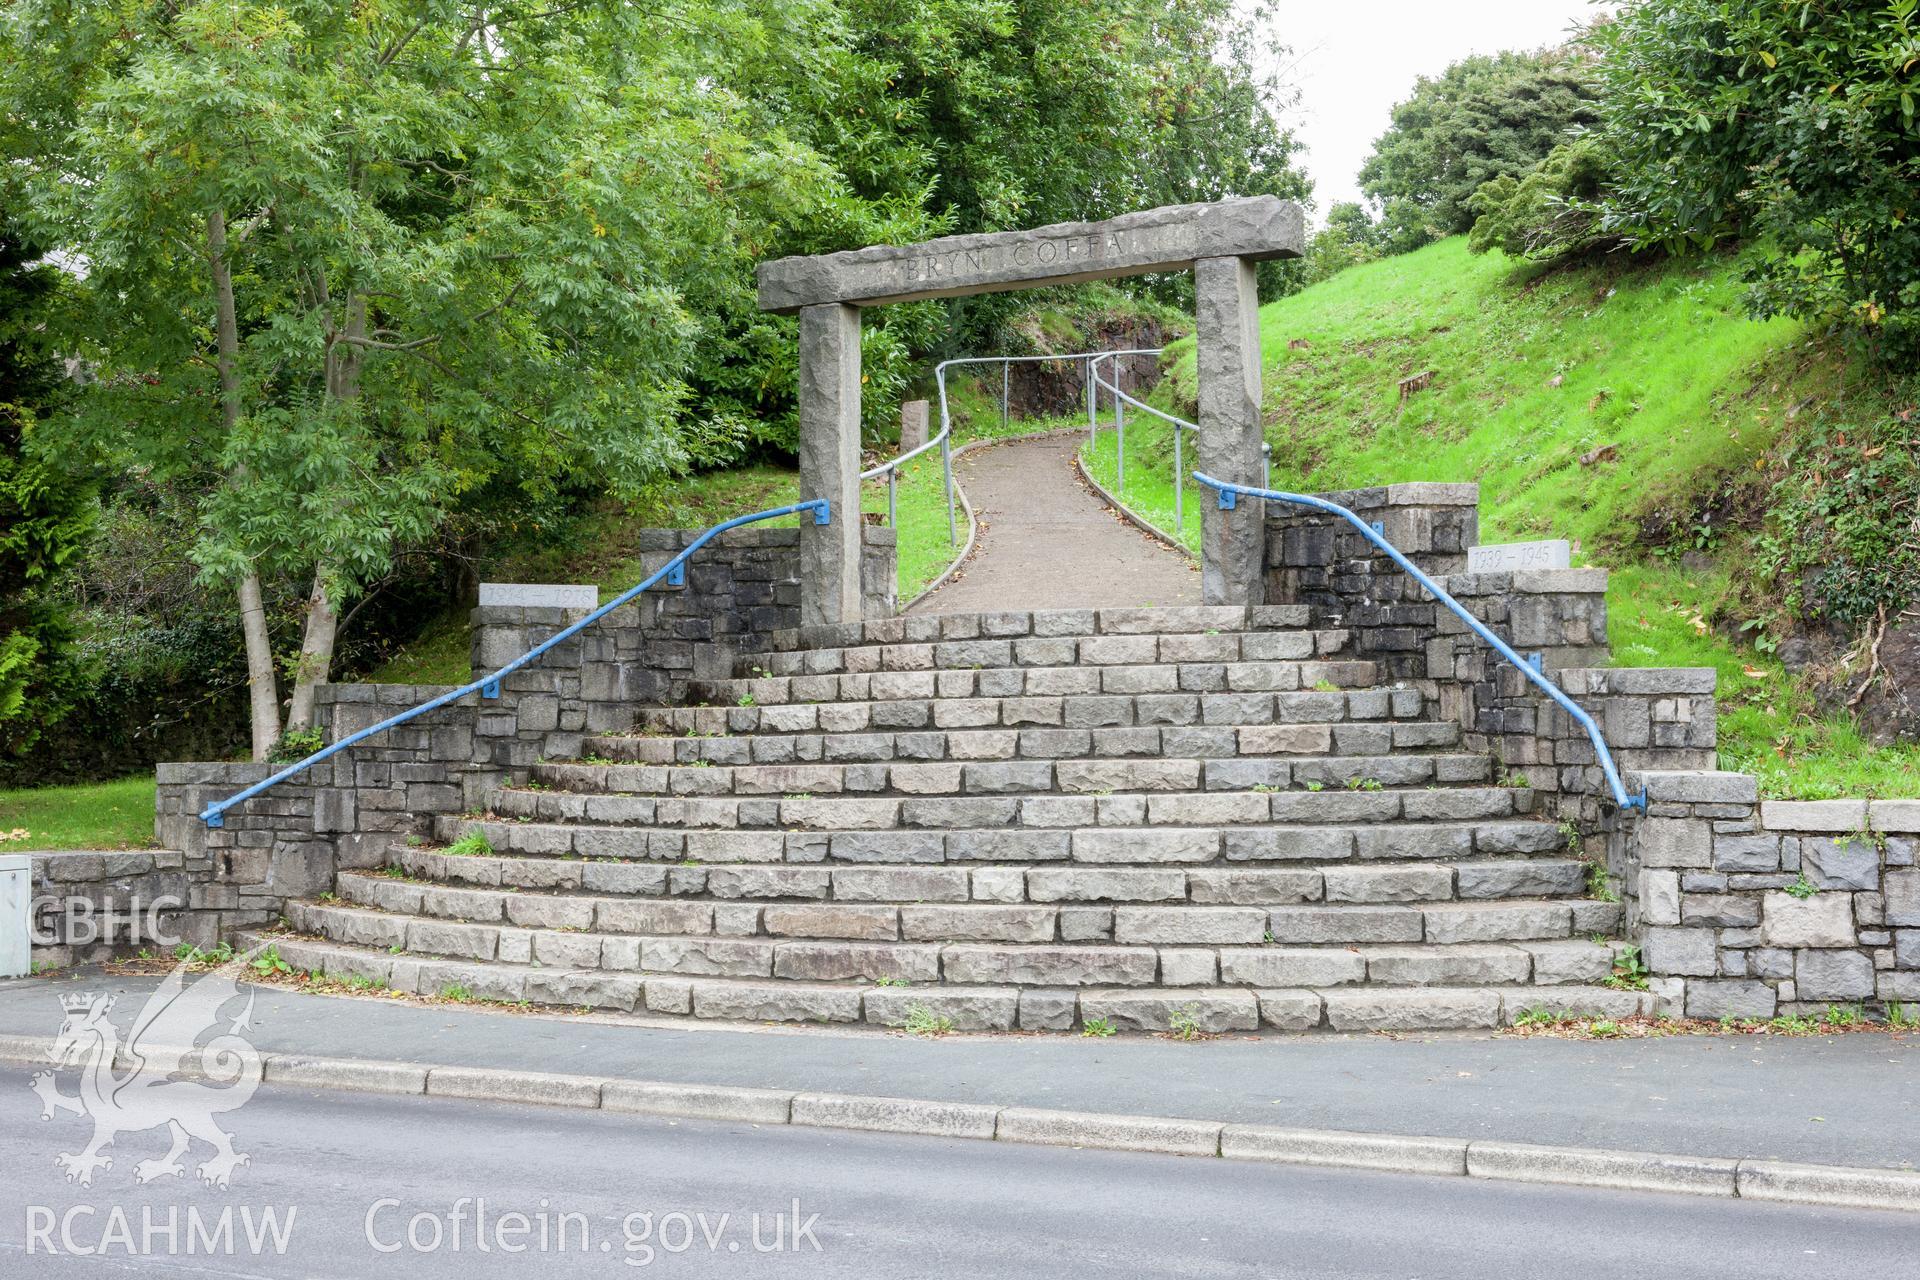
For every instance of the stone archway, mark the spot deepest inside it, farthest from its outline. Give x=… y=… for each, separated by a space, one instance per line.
x=1220 y=242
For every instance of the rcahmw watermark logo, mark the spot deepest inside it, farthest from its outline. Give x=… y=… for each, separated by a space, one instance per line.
x=160 y=1046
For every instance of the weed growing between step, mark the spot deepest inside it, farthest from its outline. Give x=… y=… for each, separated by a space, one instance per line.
x=924 y=1022
x=1899 y=1020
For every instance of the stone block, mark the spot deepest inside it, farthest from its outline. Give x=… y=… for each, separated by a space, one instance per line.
x=1165 y=1009
x=1048 y=1010
x=1189 y=924
x=1404 y=1010
x=1746 y=853
x=1681 y=951
x=1660 y=897
x=1078 y=966
x=1841 y=863
x=1814 y=815
x=1730 y=998
x=1292 y=967
x=1675 y=842
x=1823 y=920
x=1901 y=890
x=1833 y=975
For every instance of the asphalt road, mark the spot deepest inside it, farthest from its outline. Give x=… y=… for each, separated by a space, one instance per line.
x=364 y=1185
x=1841 y=1099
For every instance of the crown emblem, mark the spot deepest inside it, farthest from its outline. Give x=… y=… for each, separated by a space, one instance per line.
x=81 y=1003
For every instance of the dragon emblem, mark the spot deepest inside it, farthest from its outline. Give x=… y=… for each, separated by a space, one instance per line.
x=146 y=1096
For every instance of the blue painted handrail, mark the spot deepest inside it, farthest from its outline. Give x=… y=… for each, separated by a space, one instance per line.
x=488 y=686
x=1229 y=497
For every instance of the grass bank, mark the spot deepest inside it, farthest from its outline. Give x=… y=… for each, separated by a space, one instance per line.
x=1613 y=406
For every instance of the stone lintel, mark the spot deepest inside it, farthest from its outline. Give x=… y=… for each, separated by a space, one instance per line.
x=1171 y=238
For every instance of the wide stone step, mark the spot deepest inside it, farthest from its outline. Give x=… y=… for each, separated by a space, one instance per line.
x=1069 y=711
x=979 y=1007
x=1046 y=624
x=1006 y=803
x=1385 y=840
x=933 y=745
x=974 y=943
x=1474 y=879
x=557 y=790
x=953 y=656
x=1000 y=903
x=1037 y=682
x=1037 y=661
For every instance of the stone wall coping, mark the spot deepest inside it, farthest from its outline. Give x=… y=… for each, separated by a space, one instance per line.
x=396 y=694
x=1697 y=786
x=562 y=595
x=192 y=773
x=1390 y=495
x=1605 y=681
x=113 y=862
x=1898 y=816
x=1527 y=582
x=1814 y=815
x=1892 y=817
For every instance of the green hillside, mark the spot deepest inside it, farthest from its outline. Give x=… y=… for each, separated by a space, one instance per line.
x=1653 y=374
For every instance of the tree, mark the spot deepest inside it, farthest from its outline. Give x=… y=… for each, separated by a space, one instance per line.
x=1349 y=239
x=1483 y=118
x=44 y=511
x=346 y=261
x=982 y=115
x=1793 y=125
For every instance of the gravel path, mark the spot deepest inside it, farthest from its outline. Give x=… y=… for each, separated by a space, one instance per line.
x=1047 y=542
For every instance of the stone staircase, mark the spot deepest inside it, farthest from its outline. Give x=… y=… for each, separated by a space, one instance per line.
x=1196 y=819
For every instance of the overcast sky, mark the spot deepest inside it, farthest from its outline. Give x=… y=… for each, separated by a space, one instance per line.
x=1353 y=59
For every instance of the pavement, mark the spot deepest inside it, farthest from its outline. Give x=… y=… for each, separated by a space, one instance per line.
x=1827 y=1099
x=369 y=1185
x=1047 y=542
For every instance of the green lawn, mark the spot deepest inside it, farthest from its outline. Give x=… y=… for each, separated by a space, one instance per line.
x=1148 y=486
x=98 y=815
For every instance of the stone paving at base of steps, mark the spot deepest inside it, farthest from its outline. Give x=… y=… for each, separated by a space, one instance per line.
x=1826 y=1099
x=1047 y=542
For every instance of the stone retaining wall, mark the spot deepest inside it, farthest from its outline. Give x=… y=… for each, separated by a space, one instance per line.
x=98 y=892
x=1321 y=560
x=1748 y=908
x=347 y=811
x=1652 y=719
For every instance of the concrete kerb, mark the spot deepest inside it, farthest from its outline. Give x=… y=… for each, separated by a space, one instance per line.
x=1767 y=1180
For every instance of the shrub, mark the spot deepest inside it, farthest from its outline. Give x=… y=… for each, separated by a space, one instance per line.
x=1790 y=124
x=1839 y=538
x=1550 y=213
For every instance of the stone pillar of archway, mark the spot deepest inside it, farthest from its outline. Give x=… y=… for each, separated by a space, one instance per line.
x=830 y=462
x=1227 y=349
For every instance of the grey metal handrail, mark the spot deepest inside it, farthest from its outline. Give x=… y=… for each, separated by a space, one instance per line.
x=1120 y=401
x=1528 y=667
x=943 y=439
x=488 y=686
